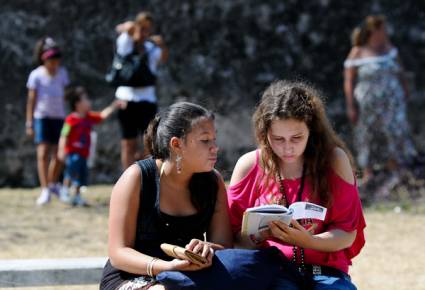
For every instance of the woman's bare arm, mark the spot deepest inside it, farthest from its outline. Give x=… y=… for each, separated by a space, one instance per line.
x=124 y=207
x=350 y=74
x=32 y=97
x=219 y=231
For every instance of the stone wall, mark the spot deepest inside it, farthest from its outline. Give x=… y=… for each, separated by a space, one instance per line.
x=222 y=54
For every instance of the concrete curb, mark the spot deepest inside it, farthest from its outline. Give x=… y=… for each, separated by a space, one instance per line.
x=46 y=272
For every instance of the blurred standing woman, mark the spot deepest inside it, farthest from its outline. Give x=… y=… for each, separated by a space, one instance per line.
x=139 y=102
x=376 y=93
x=45 y=113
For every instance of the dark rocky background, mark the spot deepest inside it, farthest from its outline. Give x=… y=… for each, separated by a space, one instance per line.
x=222 y=54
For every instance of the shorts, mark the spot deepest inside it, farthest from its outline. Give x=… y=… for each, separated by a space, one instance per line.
x=139 y=283
x=135 y=118
x=47 y=130
x=76 y=169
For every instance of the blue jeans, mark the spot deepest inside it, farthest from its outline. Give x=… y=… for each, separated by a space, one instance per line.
x=76 y=169
x=285 y=281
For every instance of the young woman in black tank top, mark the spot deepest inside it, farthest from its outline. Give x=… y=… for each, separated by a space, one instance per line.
x=176 y=197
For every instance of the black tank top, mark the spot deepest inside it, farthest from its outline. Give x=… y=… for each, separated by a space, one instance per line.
x=155 y=227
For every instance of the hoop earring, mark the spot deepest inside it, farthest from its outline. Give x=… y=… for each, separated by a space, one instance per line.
x=179 y=164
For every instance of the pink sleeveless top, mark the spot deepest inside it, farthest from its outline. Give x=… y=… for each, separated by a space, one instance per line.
x=345 y=213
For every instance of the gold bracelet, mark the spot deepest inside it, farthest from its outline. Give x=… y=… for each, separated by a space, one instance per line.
x=149 y=268
x=152 y=264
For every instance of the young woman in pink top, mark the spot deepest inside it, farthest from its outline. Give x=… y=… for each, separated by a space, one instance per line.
x=300 y=158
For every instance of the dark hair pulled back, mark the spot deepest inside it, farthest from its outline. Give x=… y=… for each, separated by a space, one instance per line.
x=178 y=120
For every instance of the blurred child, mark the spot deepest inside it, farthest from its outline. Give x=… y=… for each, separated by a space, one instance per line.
x=45 y=113
x=74 y=143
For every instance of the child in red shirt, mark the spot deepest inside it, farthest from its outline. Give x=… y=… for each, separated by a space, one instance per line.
x=300 y=158
x=74 y=143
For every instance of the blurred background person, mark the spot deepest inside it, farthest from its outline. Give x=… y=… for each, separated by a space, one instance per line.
x=45 y=113
x=139 y=102
x=75 y=140
x=376 y=92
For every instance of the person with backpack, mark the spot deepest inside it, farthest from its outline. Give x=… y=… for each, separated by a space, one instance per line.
x=138 y=98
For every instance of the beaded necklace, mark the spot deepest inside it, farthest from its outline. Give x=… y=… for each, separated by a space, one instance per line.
x=284 y=201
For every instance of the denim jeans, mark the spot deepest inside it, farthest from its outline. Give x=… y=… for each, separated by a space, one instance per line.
x=76 y=169
x=285 y=281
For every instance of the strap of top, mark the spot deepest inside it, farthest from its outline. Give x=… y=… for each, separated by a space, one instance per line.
x=149 y=182
x=149 y=196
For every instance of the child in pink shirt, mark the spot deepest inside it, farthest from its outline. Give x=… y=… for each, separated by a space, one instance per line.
x=300 y=158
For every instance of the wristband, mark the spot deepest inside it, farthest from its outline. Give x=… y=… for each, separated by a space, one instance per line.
x=28 y=124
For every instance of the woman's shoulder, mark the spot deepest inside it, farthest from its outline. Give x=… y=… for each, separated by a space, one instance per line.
x=132 y=172
x=353 y=57
x=63 y=73
x=124 y=44
x=128 y=185
x=341 y=165
x=244 y=165
x=247 y=161
x=149 y=45
x=124 y=36
x=355 y=52
x=37 y=72
x=152 y=49
x=63 y=70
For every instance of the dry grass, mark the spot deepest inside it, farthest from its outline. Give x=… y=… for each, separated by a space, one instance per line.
x=392 y=258
x=53 y=231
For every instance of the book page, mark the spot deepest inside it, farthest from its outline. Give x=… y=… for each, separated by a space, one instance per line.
x=308 y=210
x=269 y=208
x=255 y=222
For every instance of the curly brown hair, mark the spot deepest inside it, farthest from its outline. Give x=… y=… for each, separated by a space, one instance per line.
x=302 y=102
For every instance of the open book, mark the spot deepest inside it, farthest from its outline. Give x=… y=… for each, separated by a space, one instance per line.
x=256 y=219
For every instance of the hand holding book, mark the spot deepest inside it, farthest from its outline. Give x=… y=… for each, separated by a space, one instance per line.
x=255 y=223
x=293 y=234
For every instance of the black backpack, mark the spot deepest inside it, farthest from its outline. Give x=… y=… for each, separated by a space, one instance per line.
x=131 y=70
